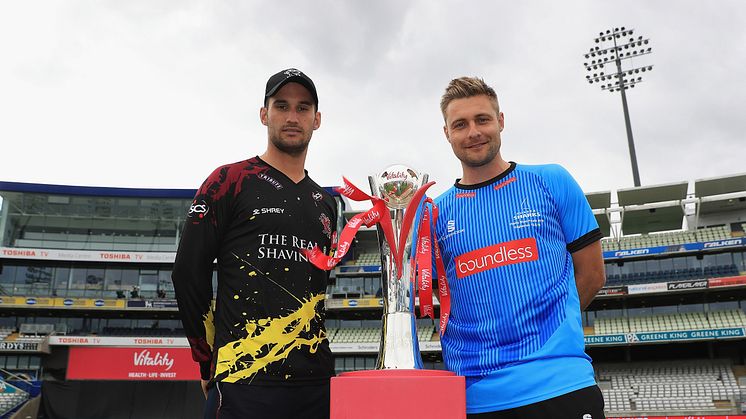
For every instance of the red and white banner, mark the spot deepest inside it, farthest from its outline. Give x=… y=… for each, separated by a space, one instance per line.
x=142 y=364
x=726 y=282
x=429 y=240
x=424 y=263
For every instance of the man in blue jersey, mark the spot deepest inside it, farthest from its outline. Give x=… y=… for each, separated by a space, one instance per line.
x=523 y=257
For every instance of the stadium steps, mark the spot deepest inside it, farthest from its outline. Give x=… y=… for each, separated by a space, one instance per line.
x=686 y=387
x=11 y=398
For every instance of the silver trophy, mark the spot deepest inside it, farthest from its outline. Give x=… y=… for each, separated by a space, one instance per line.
x=399 y=346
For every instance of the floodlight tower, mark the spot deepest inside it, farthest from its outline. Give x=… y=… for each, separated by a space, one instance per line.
x=614 y=47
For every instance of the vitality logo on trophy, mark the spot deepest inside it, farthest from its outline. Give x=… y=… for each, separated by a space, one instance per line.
x=398 y=193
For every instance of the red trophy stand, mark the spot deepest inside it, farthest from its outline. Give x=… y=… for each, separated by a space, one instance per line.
x=398 y=393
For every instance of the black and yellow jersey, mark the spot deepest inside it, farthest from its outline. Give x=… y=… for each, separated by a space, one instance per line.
x=267 y=326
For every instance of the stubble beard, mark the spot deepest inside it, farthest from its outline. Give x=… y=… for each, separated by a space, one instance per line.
x=476 y=161
x=290 y=148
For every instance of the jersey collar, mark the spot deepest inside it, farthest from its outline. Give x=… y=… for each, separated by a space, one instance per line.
x=486 y=182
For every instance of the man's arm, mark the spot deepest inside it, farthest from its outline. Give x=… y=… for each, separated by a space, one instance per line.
x=192 y=279
x=581 y=231
x=192 y=273
x=589 y=272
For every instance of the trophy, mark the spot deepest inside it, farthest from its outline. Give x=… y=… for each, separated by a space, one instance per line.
x=399 y=346
x=398 y=192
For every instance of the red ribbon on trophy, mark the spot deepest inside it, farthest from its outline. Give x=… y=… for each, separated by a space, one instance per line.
x=424 y=268
x=378 y=214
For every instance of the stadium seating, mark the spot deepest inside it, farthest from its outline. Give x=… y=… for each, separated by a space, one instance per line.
x=36 y=329
x=713 y=233
x=610 y=326
x=696 y=386
x=372 y=334
x=141 y=331
x=669 y=238
x=9 y=400
x=670 y=322
x=356 y=335
x=366 y=259
x=5 y=332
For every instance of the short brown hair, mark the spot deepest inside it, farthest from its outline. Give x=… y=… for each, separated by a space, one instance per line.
x=464 y=87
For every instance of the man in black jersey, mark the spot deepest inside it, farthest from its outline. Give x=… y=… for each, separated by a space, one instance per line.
x=262 y=349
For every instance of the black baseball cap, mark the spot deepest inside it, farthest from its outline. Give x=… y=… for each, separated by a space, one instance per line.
x=284 y=77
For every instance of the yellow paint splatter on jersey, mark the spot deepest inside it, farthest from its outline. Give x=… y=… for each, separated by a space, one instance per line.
x=243 y=358
x=209 y=322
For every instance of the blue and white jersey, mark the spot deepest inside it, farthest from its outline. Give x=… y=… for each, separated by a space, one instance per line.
x=515 y=329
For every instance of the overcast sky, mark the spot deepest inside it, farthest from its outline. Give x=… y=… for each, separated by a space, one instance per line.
x=156 y=94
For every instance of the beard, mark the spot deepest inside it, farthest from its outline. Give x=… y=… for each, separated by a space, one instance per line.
x=292 y=148
x=480 y=160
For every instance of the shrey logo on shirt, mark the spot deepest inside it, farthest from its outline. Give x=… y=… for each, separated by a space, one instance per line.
x=495 y=256
x=258 y=211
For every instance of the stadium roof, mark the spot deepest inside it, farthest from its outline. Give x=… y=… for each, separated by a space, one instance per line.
x=599 y=200
x=720 y=185
x=648 y=194
x=722 y=203
x=652 y=208
x=643 y=219
x=603 y=222
x=721 y=194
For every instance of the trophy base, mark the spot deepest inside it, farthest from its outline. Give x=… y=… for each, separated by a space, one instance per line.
x=397 y=394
